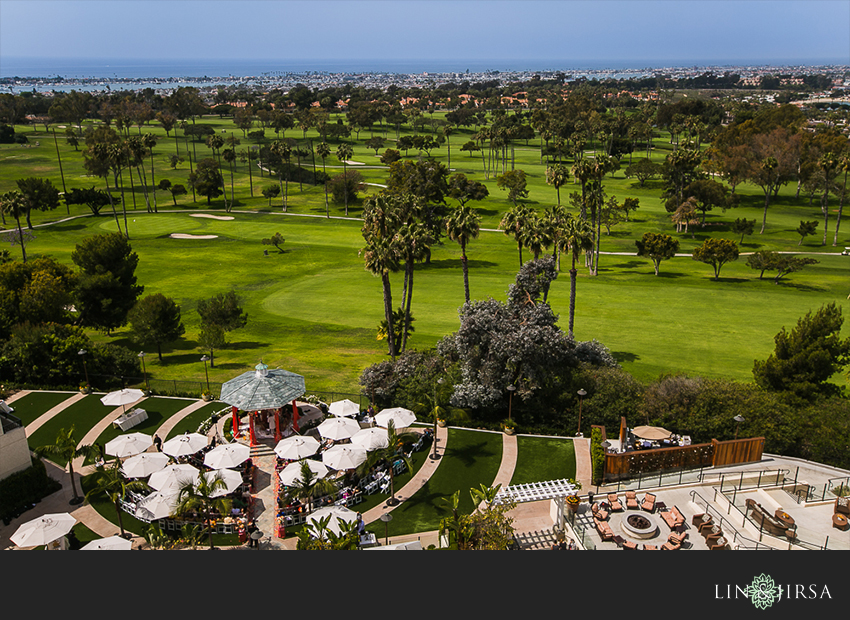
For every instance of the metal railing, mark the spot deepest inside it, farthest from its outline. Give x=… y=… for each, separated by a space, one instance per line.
x=742 y=541
x=10 y=422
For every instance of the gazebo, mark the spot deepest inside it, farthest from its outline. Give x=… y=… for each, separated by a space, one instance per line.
x=262 y=390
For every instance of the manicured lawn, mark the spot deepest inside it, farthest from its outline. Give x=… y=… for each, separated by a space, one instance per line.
x=35 y=404
x=472 y=458
x=83 y=415
x=544 y=458
x=191 y=422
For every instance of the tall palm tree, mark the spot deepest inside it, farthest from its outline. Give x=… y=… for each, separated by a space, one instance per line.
x=462 y=226
x=536 y=235
x=282 y=153
x=108 y=481
x=382 y=256
x=15 y=205
x=65 y=450
x=200 y=496
x=344 y=152
x=390 y=454
x=514 y=223
x=557 y=176
x=324 y=151
x=415 y=243
x=576 y=238
x=843 y=166
x=149 y=140
x=215 y=142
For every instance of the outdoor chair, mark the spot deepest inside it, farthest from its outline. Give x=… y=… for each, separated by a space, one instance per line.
x=842 y=505
x=629 y=546
x=718 y=545
x=705 y=527
x=614 y=502
x=631 y=500
x=648 y=502
x=598 y=512
x=673 y=518
x=650 y=548
x=605 y=531
x=670 y=546
x=677 y=539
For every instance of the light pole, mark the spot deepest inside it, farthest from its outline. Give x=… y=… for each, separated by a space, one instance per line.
x=144 y=370
x=82 y=354
x=435 y=456
x=386 y=518
x=205 y=359
x=511 y=390
x=738 y=419
x=581 y=395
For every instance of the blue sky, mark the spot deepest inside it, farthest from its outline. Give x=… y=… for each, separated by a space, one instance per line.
x=758 y=31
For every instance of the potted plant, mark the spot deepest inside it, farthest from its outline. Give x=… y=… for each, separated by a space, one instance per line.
x=85 y=389
x=441 y=422
x=509 y=427
x=572 y=502
x=206 y=396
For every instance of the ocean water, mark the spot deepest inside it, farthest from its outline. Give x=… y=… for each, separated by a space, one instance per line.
x=89 y=68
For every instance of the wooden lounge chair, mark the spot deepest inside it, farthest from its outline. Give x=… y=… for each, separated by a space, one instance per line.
x=630 y=546
x=599 y=513
x=631 y=500
x=648 y=503
x=614 y=502
x=605 y=531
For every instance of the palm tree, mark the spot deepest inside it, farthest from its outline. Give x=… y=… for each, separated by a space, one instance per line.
x=343 y=153
x=514 y=223
x=215 y=142
x=14 y=204
x=65 y=450
x=309 y=486
x=109 y=482
x=324 y=151
x=382 y=256
x=149 y=140
x=282 y=153
x=462 y=226
x=390 y=454
x=843 y=166
x=557 y=176
x=576 y=238
x=200 y=497
x=536 y=235
x=415 y=242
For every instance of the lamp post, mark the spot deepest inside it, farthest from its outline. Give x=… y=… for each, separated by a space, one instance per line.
x=511 y=390
x=435 y=456
x=144 y=370
x=738 y=419
x=205 y=359
x=82 y=354
x=581 y=395
x=386 y=518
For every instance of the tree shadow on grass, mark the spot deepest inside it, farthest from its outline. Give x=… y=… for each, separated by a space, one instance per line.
x=632 y=264
x=470 y=453
x=455 y=263
x=625 y=356
x=670 y=274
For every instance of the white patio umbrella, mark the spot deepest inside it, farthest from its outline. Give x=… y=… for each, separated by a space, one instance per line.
x=173 y=478
x=130 y=444
x=184 y=445
x=113 y=543
x=122 y=398
x=344 y=408
x=43 y=530
x=371 y=438
x=144 y=464
x=296 y=447
x=402 y=418
x=292 y=472
x=157 y=505
x=344 y=457
x=232 y=479
x=335 y=512
x=338 y=428
x=227 y=455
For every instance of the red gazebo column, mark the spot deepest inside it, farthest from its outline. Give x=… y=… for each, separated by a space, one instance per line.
x=295 y=417
x=251 y=428
x=277 y=424
x=235 y=411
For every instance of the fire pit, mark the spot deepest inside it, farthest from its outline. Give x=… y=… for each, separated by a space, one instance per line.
x=640 y=525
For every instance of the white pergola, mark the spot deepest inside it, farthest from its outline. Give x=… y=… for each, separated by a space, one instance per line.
x=557 y=490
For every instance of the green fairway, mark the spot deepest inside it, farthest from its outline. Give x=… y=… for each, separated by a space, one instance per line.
x=544 y=458
x=314 y=309
x=35 y=404
x=472 y=458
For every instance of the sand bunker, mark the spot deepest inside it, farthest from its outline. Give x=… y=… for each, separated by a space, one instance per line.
x=212 y=217
x=183 y=236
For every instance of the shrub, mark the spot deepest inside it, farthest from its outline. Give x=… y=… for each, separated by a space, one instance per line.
x=22 y=489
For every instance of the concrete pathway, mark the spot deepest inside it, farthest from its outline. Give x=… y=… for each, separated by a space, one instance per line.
x=584 y=465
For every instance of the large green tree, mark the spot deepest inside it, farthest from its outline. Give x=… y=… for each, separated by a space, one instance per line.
x=106 y=289
x=155 y=320
x=220 y=314
x=716 y=252
x=657 y=247
x=806 y=357
x=39 y=195
x=206 y=179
